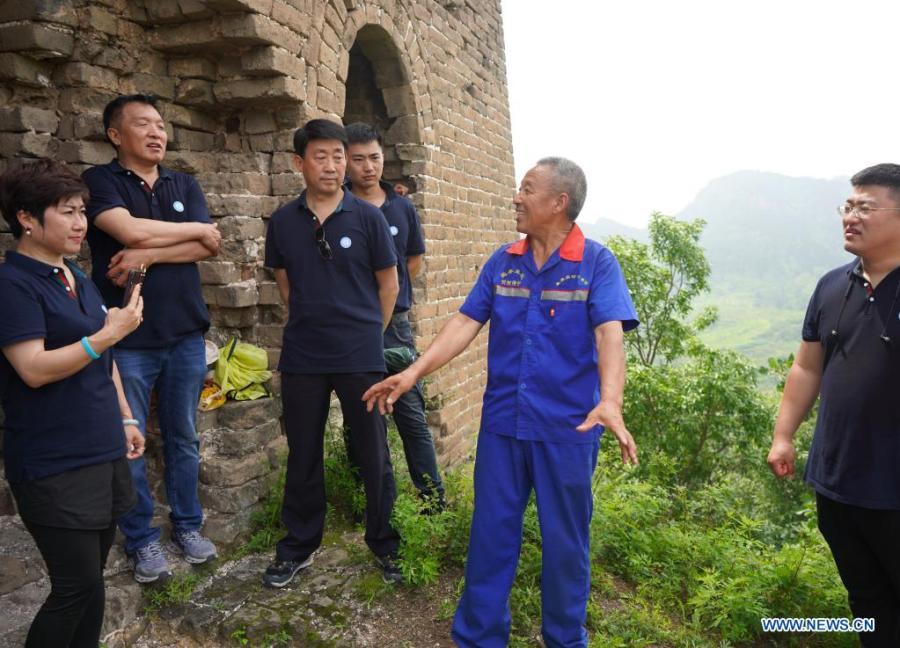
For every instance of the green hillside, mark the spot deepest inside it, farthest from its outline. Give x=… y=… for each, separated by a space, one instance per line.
x=768 y=239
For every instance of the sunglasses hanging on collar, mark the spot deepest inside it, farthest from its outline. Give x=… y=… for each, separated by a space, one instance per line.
x=835 y=332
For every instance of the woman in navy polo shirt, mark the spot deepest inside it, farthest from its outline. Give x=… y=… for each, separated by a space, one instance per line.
x=64 y=445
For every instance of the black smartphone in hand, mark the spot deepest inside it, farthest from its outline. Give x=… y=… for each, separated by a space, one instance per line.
x=135 y=279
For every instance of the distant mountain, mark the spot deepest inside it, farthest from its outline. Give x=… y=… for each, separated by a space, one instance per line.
x=773 y=232
x=605 y=228
x=768 y=239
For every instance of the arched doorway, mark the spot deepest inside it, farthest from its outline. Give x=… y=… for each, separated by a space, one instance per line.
x=378 y=92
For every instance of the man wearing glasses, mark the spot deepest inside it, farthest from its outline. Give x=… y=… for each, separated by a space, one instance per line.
x=850 y=358
x=334 y=262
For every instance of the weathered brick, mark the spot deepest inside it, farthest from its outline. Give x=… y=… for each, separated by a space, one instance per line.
x=14 y=67
x=299 y=21
x=241 y=205
x=218 y=272
x=130 y=32
x=270 y=61
x=260 y=91
x=24 y=118
x=195 y=92
x=268 y=293
x=256 y=6
x=86 y=151
x=120 y=59
x=192 y=140
x=236 y=295
x=236 y=443
x=102 y=20
x=287 y=184
x=259 y=122
x=233 y=183
x=163 y=87
x=55 y=12
x=41 y=40
x=191 y=162
x=192 y=68
x=251 y=29
x=193 y=119
x=283 y=163
x=405 y=130
x=29 y=144
x=231 y=500
x=219 y=471
x=240 y=228
x=82 y=74
x=164 y=11
x=84 y=100
x=399 y=100
x=243 y=415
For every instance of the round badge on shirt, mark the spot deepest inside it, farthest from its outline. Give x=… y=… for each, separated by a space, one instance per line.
x=394 y=230
x=178 y=206
x=346 y=242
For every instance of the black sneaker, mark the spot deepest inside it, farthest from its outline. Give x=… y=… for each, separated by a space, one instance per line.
x=281 y=572
x=390 y=571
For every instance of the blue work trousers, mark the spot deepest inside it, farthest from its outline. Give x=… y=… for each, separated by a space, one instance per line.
x=506 y=470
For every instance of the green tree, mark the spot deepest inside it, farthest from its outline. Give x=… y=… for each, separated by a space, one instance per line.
x=665 y=277
x=696 y=409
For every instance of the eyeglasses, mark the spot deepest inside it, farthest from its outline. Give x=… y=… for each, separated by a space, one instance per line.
x=863 y=211
x=322 y=244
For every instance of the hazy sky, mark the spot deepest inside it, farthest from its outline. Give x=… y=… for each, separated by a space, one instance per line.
x=655 y=98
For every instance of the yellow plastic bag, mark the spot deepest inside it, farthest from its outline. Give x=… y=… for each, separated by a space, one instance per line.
x=241 y=371
x=211 y=397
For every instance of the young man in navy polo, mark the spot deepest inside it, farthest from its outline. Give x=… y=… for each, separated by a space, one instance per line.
x=558 y=307
x=336 y=270
x=142 y=214
x=850 y=359
x=365 y=165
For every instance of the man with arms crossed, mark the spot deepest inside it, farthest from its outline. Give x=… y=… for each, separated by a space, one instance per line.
x=143 y=214
x=336 y=270
x=558 y=307
x=850 y=358
x=365 y=153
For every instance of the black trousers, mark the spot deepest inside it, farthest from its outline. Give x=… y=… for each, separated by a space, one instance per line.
x=865 y=544
x=306 y=399
x=72 y=615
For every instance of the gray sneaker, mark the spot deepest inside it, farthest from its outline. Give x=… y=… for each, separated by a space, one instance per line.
x=194 y=547
x=149 y=563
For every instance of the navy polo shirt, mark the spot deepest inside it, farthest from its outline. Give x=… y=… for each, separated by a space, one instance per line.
x=70 y=423
x=173 y=300
x=334 y=315
x=855 y=452
x=406 y=231
x=542 y=353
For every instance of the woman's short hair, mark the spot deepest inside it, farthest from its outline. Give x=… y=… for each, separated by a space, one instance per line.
x=34 y=186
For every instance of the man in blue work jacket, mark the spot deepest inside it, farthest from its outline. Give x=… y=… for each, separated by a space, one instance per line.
x=559 y=307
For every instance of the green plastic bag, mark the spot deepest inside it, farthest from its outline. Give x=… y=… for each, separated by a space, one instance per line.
x=241 y=371
x=396 y=359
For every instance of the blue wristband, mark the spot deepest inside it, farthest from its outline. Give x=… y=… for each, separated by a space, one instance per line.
x=87 y=347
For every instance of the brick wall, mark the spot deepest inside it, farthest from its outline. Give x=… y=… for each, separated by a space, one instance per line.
x=236 y=77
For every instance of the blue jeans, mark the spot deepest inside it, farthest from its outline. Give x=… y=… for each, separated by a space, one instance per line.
x=176 y=372
x=409 y=415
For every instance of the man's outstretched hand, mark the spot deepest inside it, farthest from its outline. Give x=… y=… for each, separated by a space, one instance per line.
x=386 y=393
x=610 y=417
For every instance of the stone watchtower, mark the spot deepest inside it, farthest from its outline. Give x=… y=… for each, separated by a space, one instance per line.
x=236 y=77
